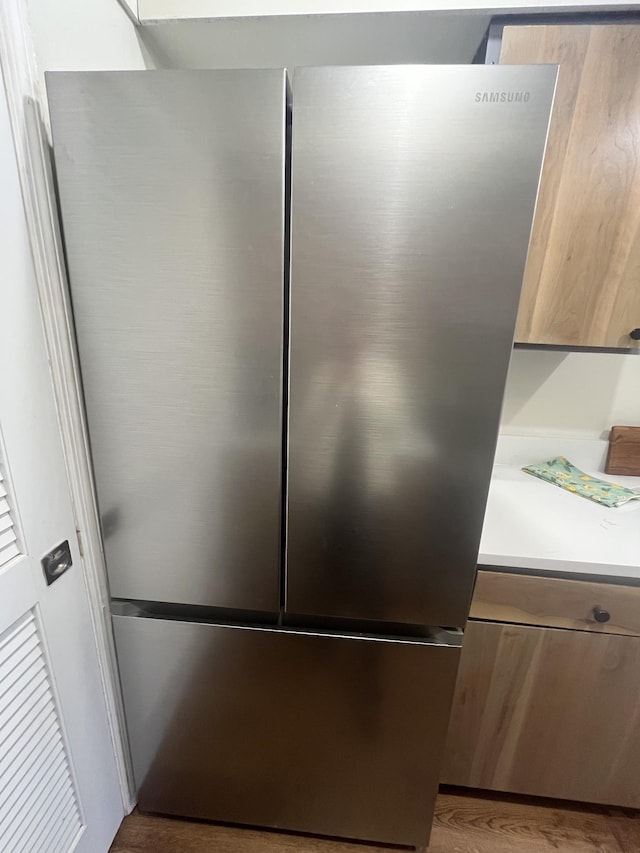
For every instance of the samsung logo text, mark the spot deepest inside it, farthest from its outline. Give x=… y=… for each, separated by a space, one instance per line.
x=502 y=97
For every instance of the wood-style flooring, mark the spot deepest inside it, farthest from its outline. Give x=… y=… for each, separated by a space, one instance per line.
x=464 y=823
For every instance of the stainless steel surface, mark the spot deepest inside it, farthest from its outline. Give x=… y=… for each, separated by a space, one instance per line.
x=171 y=187
x=297 y=731
x=412 y=202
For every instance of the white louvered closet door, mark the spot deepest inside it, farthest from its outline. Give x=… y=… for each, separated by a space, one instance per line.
x=59 y=789
x=9 y=542
x=40 y=809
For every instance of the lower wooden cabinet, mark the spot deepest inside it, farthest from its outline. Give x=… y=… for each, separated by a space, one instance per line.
x=547 y=712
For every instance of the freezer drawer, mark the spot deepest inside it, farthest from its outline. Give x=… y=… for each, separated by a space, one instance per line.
x=171 y=188
x=413 y=190
x=306 y=732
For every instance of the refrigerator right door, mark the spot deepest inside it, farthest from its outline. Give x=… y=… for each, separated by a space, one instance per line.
x=413 y=192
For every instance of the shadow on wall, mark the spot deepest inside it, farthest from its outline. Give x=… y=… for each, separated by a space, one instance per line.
x=578 y=394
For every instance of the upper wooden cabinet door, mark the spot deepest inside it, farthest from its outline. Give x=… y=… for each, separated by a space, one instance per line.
x=582 y=280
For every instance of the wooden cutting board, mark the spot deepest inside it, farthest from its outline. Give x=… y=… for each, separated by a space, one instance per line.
x=624 y=451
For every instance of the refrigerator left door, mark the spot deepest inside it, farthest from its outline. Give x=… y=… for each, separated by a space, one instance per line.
x=171 y=188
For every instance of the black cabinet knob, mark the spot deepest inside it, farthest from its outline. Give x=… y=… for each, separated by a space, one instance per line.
x=634 y=334
x=601 y=615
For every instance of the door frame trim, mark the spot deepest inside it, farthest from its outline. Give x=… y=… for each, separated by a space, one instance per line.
x=33 y=155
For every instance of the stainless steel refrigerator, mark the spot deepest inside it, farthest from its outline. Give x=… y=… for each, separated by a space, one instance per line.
x=294 y=313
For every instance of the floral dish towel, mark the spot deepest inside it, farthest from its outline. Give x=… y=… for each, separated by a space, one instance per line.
x=561 y=472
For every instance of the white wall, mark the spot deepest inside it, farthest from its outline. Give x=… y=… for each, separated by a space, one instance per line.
x=83 y=35
x=167 y=9
x=324 y=40
x=581 y=395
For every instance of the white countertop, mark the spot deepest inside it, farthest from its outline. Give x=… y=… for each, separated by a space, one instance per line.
x=531 y=524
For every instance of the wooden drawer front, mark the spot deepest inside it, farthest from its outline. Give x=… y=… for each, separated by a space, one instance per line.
x=556 y=603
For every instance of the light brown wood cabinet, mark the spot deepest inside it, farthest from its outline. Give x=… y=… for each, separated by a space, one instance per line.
x=582 y=278
x=553 y=602
x=546 y=711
